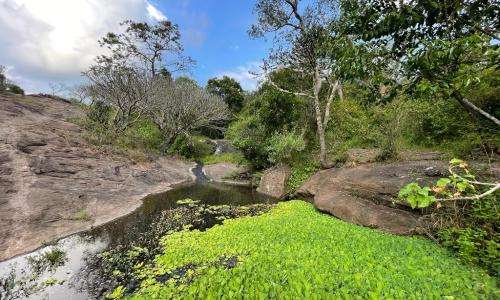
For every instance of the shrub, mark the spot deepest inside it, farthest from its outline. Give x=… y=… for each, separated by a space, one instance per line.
x=248 y=135
x=300 y=172
x=469 y=224
x=282 y=146
x=191 y=147
x=15 y=89
x=143 y=136
x=231 y=157
x=99 y=112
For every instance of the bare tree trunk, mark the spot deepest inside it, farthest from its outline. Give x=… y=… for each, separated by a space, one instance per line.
x=319 y=122
x=469 y=105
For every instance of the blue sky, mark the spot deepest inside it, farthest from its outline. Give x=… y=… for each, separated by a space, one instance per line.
x=53 y=41
x=215 y=35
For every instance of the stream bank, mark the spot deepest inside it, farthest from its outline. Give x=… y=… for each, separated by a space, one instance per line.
x=53 y=183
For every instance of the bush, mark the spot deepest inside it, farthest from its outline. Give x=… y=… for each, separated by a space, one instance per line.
x=231 y=157
x=248 y=135
x=100 y=113
x=15 y=89
x=300 y=172
x=144 y=136
x=191 y=147
x=282 y=146
x=477 y=241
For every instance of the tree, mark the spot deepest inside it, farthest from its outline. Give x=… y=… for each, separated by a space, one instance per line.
x=147 y=46
x=127 y=79
x=2 y=78
x=229 y=89
x=179 y=107
x=441 y=44
x=299 y=36
x=125 y=89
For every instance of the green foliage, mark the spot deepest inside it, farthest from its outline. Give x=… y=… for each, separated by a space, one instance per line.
x=231 y=157
x=284 y=145
x=416 y=195
x=15 y=89
x=2 y=78
x=143 y=136
x=311 y=256
x=47 y=261
x=471 y=227
x=267 y=113
x=99 y=113
x=300 y=172
x=191 y=147
x=229 y=89
x=248 y=135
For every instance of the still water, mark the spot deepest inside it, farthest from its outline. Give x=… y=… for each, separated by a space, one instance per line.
x=80 y=247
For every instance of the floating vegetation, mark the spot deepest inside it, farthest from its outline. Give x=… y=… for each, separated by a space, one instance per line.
x=295 y=252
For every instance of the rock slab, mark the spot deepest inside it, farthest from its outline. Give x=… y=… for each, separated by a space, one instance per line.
x=52 y=183
x=363 y=194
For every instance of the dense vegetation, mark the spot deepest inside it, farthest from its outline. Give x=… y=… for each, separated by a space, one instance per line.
x=311 y=256
x=389 y=76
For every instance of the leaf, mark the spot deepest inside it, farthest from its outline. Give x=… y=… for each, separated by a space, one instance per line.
x=456 y=162
x=443 y=182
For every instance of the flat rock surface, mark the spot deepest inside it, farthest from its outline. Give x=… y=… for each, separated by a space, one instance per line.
x=52 y=183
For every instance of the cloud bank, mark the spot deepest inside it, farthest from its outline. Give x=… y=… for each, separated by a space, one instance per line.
x=55 y=40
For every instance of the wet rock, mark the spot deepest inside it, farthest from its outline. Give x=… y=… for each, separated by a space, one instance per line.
x=274 y=182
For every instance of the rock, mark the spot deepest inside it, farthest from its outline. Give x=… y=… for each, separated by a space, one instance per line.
x=363 y=194
x=362 y=156
x=222 y=146
x=223 y=172
x=274 y=182
x=48 y=173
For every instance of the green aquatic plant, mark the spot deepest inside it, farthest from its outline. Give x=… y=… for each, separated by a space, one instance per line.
x=295 y=252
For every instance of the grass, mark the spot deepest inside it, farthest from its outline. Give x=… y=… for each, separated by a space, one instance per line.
x=231 y=157
x=295 y=252
x=83 y=215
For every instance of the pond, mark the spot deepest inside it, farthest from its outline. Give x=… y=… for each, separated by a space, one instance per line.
x=71 y=281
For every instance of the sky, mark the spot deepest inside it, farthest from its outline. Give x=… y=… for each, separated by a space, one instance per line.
x=49 y=42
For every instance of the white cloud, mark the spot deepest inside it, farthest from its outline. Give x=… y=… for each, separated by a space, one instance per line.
x=154 y=13
x=55 y=40
x=245 y=75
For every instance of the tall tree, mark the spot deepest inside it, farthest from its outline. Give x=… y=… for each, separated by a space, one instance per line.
x=229 y=89
x=180 y=106
x=152 y=47
x=299 y=36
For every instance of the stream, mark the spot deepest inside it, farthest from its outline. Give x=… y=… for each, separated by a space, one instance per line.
x=79 y=247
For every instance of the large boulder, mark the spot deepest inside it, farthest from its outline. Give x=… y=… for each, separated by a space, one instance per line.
x=363 y=194
x=274 y=182
x=225 y=172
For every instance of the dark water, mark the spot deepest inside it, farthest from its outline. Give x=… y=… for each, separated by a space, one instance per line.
x=123 y=231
